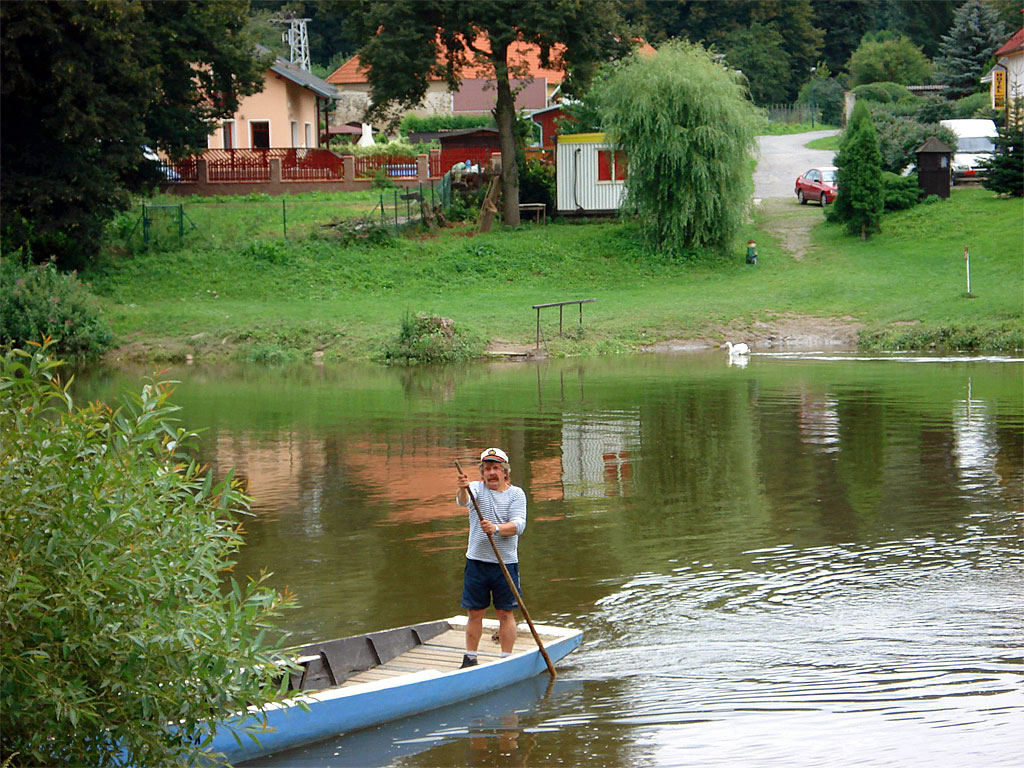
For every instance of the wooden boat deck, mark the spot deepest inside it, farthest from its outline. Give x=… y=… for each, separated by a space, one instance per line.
x=442 y=653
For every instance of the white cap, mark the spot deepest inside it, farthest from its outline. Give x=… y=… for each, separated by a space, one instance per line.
x=494 y=454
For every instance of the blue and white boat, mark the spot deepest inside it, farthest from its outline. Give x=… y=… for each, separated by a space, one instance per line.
x=357 y=682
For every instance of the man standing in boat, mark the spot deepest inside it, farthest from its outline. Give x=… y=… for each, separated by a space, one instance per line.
x=503 y=507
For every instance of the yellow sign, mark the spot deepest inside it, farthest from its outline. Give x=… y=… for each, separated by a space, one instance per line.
x=998 y=89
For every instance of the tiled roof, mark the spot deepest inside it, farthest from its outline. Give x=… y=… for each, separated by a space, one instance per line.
x=520 y=54
x=1012 y=45
x=305 y=79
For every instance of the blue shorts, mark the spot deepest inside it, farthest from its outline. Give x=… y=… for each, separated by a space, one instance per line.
x=482 y=580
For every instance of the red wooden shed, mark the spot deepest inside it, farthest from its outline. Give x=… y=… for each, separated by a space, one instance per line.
x=473 y=144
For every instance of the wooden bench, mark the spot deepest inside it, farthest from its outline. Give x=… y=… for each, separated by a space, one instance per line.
x=560 y=305
x=539 y=211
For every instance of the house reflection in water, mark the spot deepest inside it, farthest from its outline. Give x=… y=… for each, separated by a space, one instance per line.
x=596 y=451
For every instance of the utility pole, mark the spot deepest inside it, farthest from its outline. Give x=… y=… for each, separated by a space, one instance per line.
x=297 y=39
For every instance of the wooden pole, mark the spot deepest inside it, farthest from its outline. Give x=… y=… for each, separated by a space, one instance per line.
x=511 y=581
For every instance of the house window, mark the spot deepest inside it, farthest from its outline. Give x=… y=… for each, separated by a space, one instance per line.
x=309 y=135
x=611 y=166
x=227 y=133
x=260 y=130
x=295 y=135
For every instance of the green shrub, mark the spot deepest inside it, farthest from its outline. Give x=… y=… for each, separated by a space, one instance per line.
x=900 y=192
x=381 y=180
x=933 y=108
x=537 y=183
x=268 y=251
x=977 y=105
x=38 y=301
x=883 y=93
x=412 y=123
x=398 y=148
x=113 y=547
x=899 y=138
x=427 y=339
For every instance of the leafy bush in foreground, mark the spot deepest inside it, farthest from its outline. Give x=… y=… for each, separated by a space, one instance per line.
x=425 y=339
x=38 y=301
x=112 y=548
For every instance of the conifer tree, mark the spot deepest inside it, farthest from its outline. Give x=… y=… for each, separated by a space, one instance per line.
x=964 y=52
x=1004 y=171
x=860 y=202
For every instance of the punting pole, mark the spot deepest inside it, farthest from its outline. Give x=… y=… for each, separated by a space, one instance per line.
x=511 y=582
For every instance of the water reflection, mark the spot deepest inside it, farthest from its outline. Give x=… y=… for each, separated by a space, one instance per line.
x=809 y=560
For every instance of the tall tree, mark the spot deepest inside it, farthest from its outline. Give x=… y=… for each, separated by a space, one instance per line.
x=759 y=52
x=86 y=86
x=921 y=21
x=966 y=50
x=860 y=202
x=689 y=133
x=410 y=41
x=845 y=23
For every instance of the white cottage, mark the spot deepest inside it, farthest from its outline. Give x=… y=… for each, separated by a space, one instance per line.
x=591 y=174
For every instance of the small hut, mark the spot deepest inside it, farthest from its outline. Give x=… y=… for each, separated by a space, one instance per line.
x=934 y=169
x=591 y=174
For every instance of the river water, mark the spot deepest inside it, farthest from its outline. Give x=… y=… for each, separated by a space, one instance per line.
x=812 y=559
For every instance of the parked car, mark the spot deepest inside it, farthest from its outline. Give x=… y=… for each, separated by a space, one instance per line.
x=817 y=184
x=973 y=145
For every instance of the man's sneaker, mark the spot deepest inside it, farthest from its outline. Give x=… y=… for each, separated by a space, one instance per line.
x=468 y=661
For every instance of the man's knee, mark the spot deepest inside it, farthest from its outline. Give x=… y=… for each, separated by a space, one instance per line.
x=477 y=615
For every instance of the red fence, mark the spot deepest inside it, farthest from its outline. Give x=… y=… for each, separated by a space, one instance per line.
x=253 y=166
x=181 y=171
x=312 y=165
x=239 y=164
x=394 y=165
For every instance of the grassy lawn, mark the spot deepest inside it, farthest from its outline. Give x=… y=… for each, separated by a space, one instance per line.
x=787 y=129
x=825 y=142
x=226 y=294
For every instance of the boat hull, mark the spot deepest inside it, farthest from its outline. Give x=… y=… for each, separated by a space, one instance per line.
x=331 y=711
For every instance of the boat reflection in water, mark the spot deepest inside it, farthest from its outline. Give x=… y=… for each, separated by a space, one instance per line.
x=489 y=725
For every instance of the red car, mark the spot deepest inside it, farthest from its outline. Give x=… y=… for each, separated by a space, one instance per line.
x=817 y=184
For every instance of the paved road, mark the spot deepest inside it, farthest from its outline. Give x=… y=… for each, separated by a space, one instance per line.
x=783 y=158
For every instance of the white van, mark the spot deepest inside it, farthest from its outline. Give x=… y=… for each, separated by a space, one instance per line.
x=973 y=144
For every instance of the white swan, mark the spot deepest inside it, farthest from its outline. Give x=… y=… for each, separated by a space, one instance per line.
x=737 y=349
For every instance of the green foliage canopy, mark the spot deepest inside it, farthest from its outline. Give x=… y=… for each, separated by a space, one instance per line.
x=113 y=546
x=689 y=133
x=895 y=60
x=86 y=85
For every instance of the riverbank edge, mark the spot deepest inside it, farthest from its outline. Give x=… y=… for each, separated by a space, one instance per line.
x=784 y=332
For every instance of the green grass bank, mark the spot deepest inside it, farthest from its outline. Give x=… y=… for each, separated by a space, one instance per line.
x=237 y=289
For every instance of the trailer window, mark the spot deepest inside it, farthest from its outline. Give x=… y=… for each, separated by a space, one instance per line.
x=611 y=166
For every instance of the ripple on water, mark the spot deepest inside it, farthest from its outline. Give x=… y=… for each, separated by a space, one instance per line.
x=921 y=630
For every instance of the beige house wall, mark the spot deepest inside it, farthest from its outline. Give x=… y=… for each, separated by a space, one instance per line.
x=281 y=102
x=355 y=98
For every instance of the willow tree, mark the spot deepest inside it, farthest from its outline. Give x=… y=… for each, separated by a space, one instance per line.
x=688 y=130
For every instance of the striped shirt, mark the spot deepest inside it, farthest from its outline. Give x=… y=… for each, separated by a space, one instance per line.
x=504 y=507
